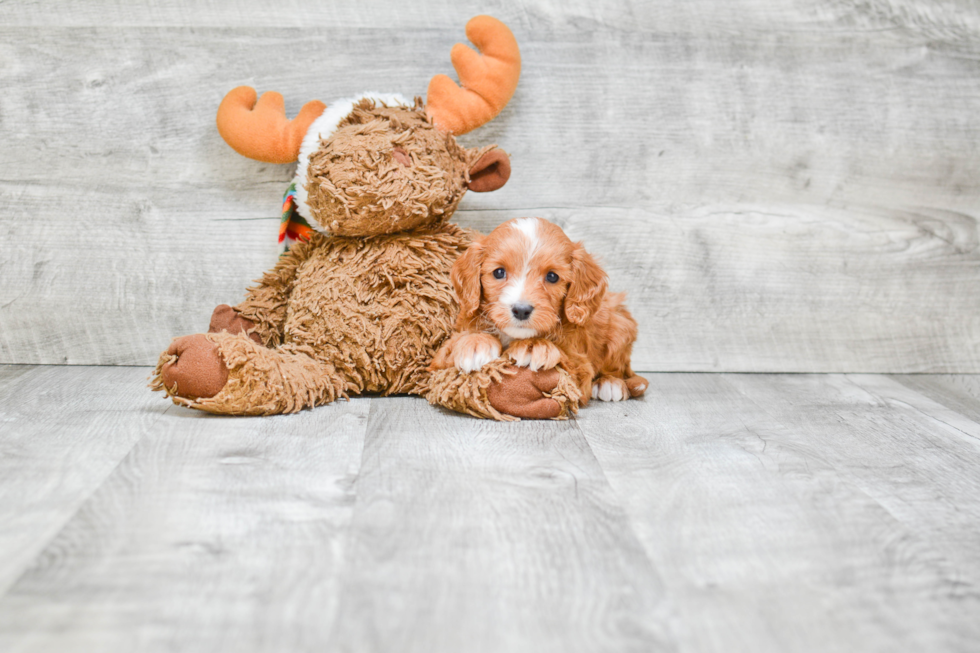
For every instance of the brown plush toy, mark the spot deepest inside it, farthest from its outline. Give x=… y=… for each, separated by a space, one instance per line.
x=362 y=297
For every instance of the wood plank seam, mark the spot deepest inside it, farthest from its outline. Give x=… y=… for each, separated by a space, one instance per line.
x=42 y=546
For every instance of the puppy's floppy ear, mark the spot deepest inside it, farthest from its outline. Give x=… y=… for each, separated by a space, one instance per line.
x=466 y=281
x=585 y=291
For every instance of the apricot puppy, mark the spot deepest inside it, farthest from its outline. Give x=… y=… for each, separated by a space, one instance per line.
x=528 y=290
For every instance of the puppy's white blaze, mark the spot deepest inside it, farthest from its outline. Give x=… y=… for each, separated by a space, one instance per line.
x=520 y=333
x=609 y=391
x=528 y=227
x=478 y=358
x=513 y=292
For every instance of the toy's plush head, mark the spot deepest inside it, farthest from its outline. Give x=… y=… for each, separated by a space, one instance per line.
x=377 y=163
x=386 y=168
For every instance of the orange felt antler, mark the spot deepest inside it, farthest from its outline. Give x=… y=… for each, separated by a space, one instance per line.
x=488 y=81
x=261 y=131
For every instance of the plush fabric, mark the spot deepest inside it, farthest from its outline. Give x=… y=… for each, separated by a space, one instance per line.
x=500 y=385
x=323 y=128
x=370 y=306
x=366 y=312
x=260 y=130
x=259 y=380
x=226 y=318
x=359 y=180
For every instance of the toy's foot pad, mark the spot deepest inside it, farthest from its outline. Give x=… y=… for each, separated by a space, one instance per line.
x=519 y=394
x=195 y=369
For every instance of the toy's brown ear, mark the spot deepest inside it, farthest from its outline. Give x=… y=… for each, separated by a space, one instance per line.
x=491 y=172
x=466 y=282
x=587 y=287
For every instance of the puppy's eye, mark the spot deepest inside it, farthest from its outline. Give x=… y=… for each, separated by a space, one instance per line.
x=499 y=273
x=551 y=277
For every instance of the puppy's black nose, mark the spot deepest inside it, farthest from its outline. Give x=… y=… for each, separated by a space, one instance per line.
x=522 y=311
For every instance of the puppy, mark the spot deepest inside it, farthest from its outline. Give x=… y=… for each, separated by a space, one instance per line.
x=529 y=290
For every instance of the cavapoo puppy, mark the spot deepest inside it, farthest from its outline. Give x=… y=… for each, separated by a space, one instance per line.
x=529 y=290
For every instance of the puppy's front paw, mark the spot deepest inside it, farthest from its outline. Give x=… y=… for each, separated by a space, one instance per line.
x=534 y=354
x=474 y=350
x=609 y=388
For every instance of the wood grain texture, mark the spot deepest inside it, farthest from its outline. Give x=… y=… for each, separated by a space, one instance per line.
x=62 y=432
x=482 y=536
x=950 y=18
x=762 y=513
x=958 y=392
x=781 y=186
x=800 y=512
x=213 y=534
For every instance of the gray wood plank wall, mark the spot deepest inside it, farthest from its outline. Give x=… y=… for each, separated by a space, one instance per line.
x=780 y=185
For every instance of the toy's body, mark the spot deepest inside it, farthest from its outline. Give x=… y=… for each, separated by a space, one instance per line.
x=362 y=301
x=381 y=345
x=321 y=339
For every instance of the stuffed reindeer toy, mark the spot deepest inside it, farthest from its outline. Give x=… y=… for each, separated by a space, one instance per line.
x=362 y=298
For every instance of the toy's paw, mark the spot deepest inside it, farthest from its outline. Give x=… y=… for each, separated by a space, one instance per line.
x=637 y=385
x=534 y=354
x=195 y=370
x=474 y=350
x=225 y=318
x=610 y=388
x=522 y=394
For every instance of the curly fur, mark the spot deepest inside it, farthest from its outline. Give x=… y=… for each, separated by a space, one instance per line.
x=354 y=175
x=262 y=381
x=467 y=393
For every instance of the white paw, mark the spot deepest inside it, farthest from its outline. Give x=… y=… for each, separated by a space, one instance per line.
x=471 y=357
x=610 y=390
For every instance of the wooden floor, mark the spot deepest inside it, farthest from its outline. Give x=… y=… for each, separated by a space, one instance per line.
x=722 y=513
